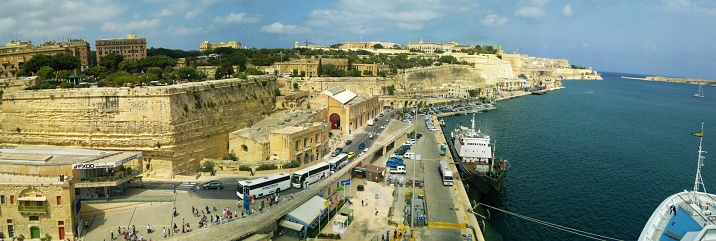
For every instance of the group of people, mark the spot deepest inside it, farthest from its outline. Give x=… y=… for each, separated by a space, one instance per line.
x=129 y=233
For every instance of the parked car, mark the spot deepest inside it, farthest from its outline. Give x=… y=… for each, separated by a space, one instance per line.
x=336 y=152
x=348 y=142
x=361 y=145
x=370 y=136
x=351 y=154
x=213 y=185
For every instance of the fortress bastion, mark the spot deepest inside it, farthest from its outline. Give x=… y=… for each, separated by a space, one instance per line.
x=174 y=126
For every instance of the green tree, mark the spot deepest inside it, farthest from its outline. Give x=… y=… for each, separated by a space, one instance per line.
x=377 y=46
x=333 y=71
x=367 y=73
x=129 y=66
x=65 y=61
x=354 y=73
x=46 y=72
x=111 y=62
x=225 y=70
x=253 y=71
x=187 y=73
x=161 y=61
x=98 y=72
x=156 y=71
x=36 y=62
x=320 y=68
x=63 y=74
x=295 y=85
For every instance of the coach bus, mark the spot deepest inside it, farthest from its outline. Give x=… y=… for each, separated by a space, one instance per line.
x=263 y=186
x=310 y=175
x=338 y=162
x=445 y=173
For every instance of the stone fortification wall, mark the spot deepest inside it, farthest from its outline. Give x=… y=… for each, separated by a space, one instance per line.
x=15 y=84
x=440 y=75
x=366 y=86
x=585 y=74
x=174 y=126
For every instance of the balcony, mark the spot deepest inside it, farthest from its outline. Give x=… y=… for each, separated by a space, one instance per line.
x=108 y=181
x=31 y=209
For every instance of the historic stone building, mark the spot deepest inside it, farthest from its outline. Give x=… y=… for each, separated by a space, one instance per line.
x=40 y=186
x=368 y=45
x=131 y=48
x=430 y=48
x=14 y=54
x=300 y=136
x=206 y=46
x=347 y=111
x=309 y=67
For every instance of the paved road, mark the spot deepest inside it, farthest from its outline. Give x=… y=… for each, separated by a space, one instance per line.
x=439 y=198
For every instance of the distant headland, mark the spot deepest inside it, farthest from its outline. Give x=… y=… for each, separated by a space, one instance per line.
x=694 y=81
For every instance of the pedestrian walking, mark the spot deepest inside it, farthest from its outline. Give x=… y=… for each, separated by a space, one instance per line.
x=134 y=230
x=165 y=232
x=376 y=211
x=149 y=230
x=362 y=203
x=112 y=234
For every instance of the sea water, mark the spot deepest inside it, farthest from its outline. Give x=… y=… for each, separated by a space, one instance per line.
x=597 y=156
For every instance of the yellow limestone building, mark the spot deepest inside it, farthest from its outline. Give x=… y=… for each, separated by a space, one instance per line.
x=41 y=187
x=346 y=110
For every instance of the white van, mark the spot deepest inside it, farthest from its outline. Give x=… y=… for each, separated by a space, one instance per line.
x=409 y=155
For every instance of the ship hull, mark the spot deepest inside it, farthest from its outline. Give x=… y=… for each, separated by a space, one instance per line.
x=480 y=185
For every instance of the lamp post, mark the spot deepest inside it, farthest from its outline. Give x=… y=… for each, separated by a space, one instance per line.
x=415 y=162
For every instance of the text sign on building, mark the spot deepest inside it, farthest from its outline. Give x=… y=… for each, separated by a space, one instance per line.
x=94 y=165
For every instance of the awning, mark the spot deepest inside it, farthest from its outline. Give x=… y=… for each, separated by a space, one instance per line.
x=291 y=225
x=34 y=199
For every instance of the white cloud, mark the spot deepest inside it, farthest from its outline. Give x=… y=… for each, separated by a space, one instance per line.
x=235 y=18
x=410 y=26
x=280 y=28
x=493 y=21
x=50 y=19
x=193 y=13
x=698 y=8
x=586 y=45
x=533 y=13
x=372 y=16
x=567 y=10
x=180 y=30
x=132 y=26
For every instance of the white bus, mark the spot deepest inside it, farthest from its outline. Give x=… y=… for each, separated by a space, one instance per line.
x=338 y=162
x=310 y=175
x=263 y=186
x=445 y=173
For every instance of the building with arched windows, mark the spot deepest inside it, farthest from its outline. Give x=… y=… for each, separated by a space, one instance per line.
x=347 y=111
x=300 y=137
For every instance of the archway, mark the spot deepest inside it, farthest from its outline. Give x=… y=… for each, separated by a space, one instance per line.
x=305 y=158
x=335 y=120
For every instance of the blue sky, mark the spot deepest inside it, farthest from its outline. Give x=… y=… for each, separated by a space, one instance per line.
x=659 y=37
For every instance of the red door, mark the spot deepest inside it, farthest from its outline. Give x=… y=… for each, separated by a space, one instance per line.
x=62 y=233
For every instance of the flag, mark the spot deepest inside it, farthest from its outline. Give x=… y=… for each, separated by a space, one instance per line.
x=699 y=134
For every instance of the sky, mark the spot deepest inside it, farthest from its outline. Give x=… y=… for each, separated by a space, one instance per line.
x=652 y=37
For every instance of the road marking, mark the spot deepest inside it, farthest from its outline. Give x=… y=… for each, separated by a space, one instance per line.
x=447 y=225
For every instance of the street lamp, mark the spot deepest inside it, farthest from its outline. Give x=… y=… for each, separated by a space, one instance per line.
x=415 y=162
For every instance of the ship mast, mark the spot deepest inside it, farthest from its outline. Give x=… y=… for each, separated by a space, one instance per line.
x=700 y=163
x=473 y=121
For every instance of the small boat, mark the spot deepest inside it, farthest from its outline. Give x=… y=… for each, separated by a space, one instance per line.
x=701 y=92
x=539 y=92
x=687 y=215
x=442 y=122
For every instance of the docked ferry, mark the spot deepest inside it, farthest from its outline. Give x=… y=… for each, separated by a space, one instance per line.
x=687 y=215
x=476 y=160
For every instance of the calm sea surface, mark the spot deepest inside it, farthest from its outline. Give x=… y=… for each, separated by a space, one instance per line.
x=598 y=156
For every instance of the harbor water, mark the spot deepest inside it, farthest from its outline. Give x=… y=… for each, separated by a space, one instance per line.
x=597 y=156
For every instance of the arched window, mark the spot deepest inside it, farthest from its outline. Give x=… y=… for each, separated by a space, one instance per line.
x=244 y=148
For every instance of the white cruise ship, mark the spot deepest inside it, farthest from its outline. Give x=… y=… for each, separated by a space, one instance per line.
x=687 y=215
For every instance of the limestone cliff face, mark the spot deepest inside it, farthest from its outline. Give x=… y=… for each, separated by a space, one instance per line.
x=175 y=126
